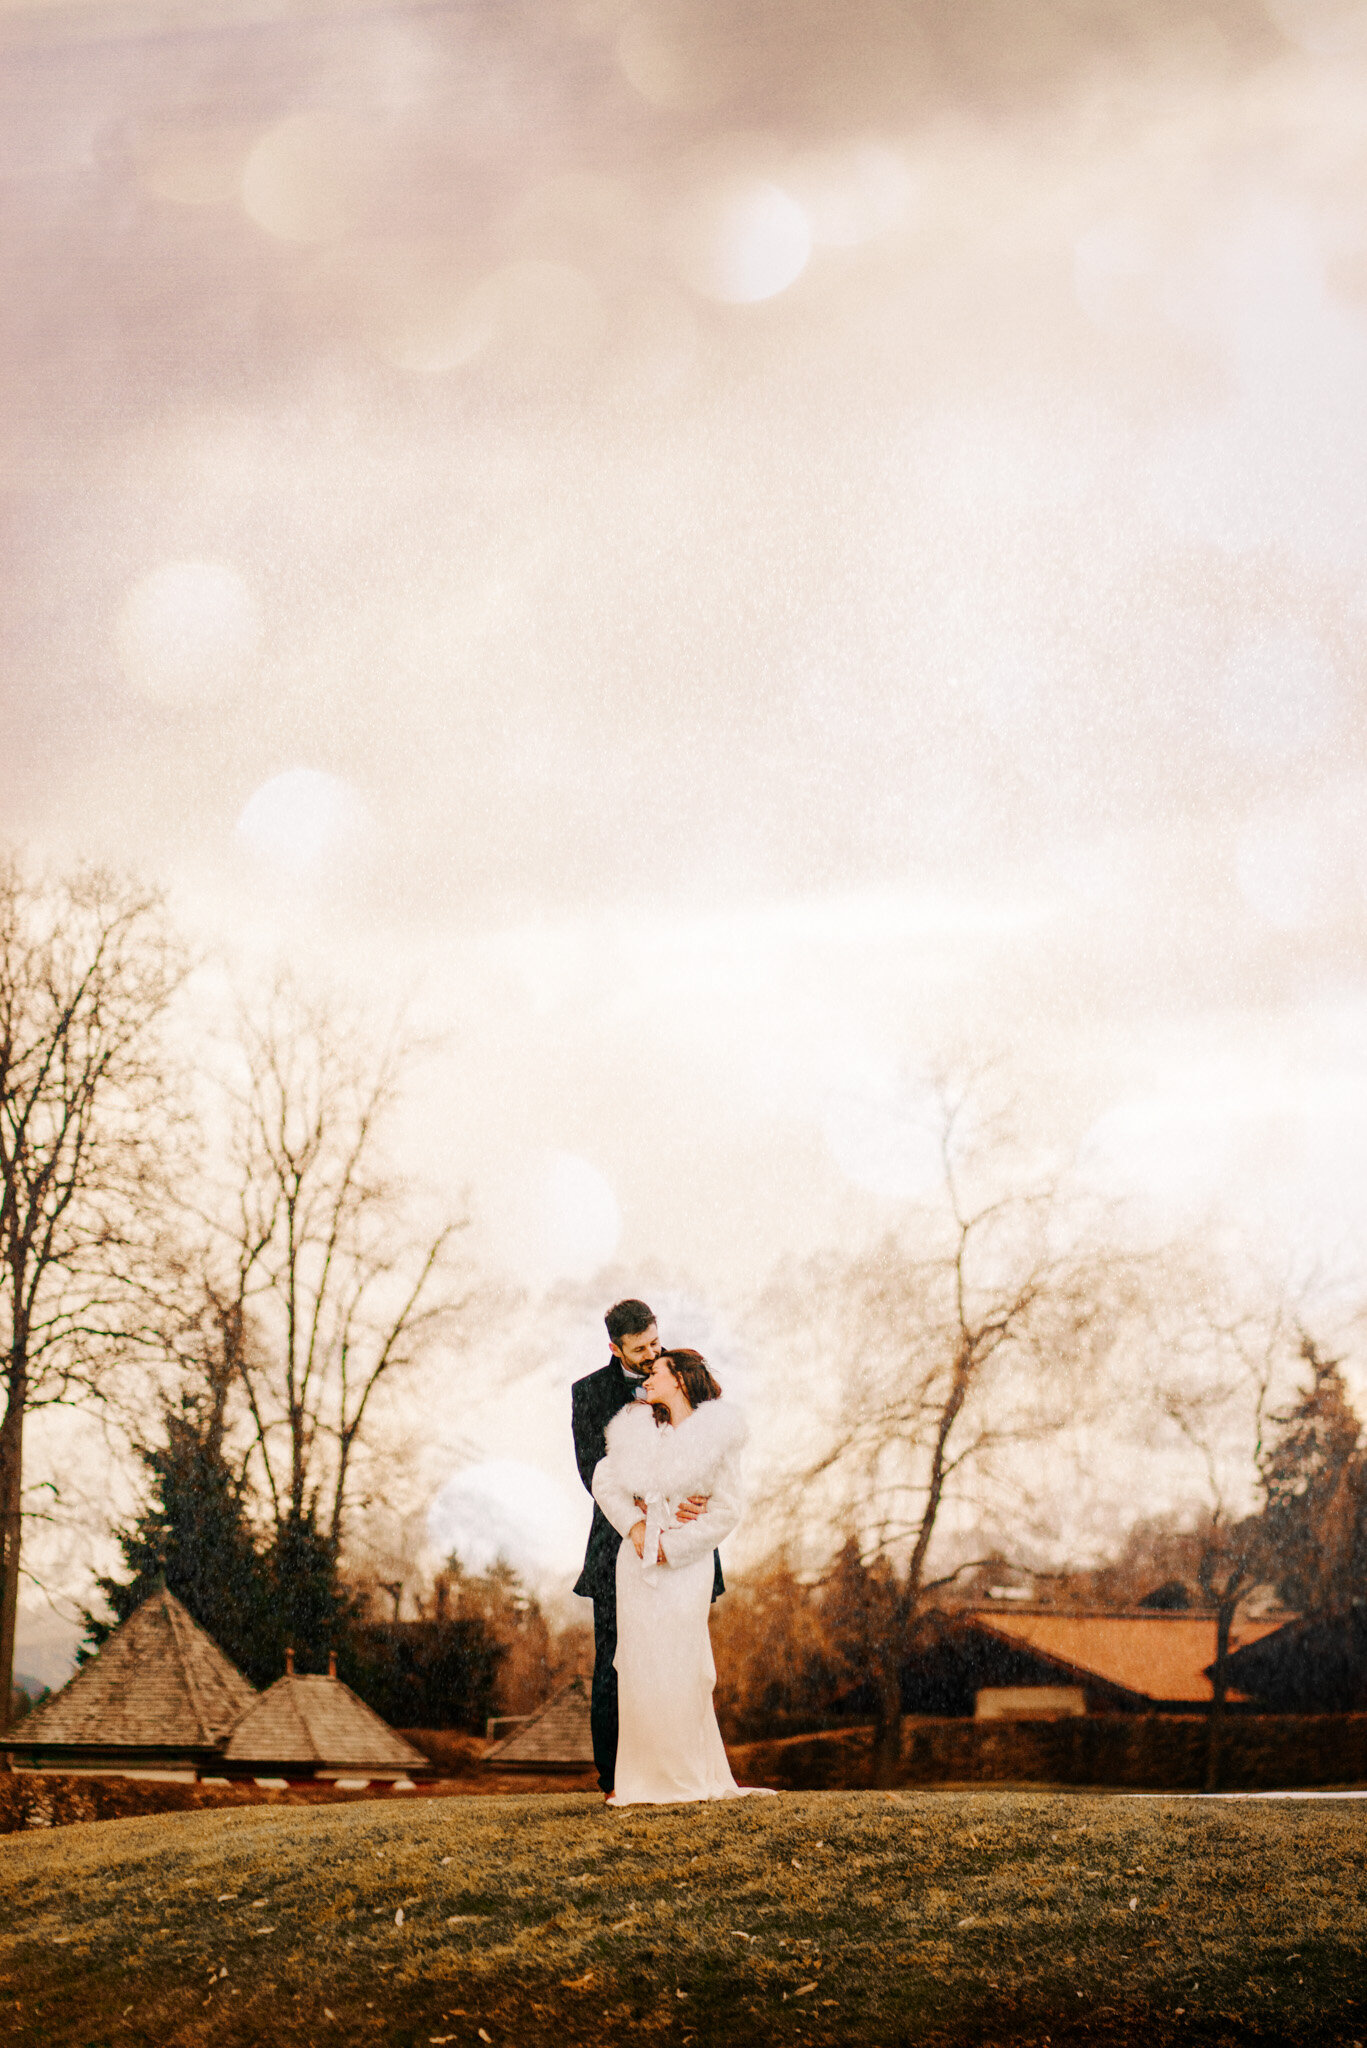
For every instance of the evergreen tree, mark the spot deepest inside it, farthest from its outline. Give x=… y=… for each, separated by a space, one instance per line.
x=312 y=1610
x=865 y=1628
x=193 y=1534
x=1314 y=1474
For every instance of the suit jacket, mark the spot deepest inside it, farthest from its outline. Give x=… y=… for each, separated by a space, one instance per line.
x=595 y=1400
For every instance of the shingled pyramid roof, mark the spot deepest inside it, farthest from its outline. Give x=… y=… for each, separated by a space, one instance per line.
x=158 y=1683
x=320 y=1724
x=559 y=1735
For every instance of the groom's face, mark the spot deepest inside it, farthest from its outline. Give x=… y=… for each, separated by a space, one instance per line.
x=639 y=1353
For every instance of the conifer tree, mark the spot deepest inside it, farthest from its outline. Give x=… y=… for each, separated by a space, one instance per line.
x=1314 y=1476
x=311 y=1610
x=193 y=1534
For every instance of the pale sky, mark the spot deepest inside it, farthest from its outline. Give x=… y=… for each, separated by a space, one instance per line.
x=724 y=551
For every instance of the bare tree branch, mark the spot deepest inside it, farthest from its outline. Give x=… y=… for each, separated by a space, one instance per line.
x=88 y=970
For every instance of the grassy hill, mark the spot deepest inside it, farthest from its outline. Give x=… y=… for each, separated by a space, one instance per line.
x=817 y=1918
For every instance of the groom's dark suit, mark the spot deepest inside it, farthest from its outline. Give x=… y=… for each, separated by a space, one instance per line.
x=596 y=1399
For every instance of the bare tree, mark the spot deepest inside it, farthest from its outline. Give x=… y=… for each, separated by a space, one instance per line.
x=316 y=1255
x=1220 y=1367
x=944 y=1351
x=88 y=968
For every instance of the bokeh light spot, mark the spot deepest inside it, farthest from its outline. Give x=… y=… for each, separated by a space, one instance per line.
x=740 y=240
x=190 y=166
x=545 y=319
x=1326 y=28
x=852 y=195
x=301 y=182
x=506 y=1509
x=556 y=1219
x=187 y=632
x=303 y=821
x=666 y=52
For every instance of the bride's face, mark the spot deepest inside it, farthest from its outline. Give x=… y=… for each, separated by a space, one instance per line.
x=661 y=1384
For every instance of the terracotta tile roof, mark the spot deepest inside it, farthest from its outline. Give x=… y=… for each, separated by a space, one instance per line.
x=559 y=1734
x=1155 y=1656
x=159 y=1682
x=306 y=1719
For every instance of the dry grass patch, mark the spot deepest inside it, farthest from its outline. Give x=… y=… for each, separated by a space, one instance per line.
x=817 y=1918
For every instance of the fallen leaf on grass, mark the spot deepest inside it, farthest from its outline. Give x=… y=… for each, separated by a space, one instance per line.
x=577 y=1983
x=483 y=2036
x=803 y=1989
x=265 y=1930
x=224 y=1897
x=398 y=1916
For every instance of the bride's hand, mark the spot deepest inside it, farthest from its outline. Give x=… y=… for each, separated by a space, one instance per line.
x=689 y=1510
x=638 y=1537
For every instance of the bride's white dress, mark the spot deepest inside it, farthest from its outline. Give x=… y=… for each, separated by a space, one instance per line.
x=668 y=1745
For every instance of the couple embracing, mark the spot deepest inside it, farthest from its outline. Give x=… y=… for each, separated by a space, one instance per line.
x=659 y=1450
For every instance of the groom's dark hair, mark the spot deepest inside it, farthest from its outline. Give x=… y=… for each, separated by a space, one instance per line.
x=628 y=1319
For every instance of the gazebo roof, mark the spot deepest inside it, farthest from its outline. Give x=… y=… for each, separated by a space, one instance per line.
x=558 y=1735
x=158 y=1683
x=318 y=1722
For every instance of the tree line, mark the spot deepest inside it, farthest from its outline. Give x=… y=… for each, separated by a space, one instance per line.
x=479 y=1645
x=214 y=1243
x=798 y=1650
x=208 y=1242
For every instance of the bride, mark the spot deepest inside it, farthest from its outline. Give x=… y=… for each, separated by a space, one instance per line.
x=678 y=1438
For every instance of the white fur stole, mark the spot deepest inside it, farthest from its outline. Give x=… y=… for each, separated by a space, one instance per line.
x=673 y=1462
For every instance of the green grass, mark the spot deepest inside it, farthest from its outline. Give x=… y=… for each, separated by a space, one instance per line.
x=827 y=1918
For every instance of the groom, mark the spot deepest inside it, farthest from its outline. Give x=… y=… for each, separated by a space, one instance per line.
x=635 y=1343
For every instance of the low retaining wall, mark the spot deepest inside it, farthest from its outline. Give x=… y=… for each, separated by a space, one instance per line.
x=1150 y=1752
x=452 y=1751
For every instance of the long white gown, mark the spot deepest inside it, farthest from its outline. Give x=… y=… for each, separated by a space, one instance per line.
x=668 y=1745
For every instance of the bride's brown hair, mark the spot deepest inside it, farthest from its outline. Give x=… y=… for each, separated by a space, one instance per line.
x=695 y=1379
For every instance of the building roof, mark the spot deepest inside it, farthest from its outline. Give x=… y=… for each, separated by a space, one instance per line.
x=158 y=1683
x=316 y=1721
x=559 y=1734
x=1151 y=1655
x=1313 y=1666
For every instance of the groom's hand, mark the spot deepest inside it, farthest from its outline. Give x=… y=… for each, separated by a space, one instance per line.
x=689 y=1510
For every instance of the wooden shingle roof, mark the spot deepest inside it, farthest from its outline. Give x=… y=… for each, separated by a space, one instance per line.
x=560 y=1734
x=158 y=1683
x=1150 y=1655
x=317 y=1723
